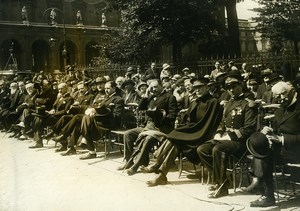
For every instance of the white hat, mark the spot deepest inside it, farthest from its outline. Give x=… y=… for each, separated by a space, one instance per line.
x=165 y=66
x=13 y=85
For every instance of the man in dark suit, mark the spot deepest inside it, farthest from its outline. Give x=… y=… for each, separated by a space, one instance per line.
x=285 y=139
x=161 y=113
x=105 y=117
x=44 y=118
x=238 y=123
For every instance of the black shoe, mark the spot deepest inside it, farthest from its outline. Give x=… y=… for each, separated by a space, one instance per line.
x=37 y=145
x=161 y=179
x=149 y=169
x=263 y=201
x=23 y=138
x=48 y=135
x=13 y=135
x=61 y=148
x=193 y=176
x=213 y=187
x=70 y=151
x=88 y=156
x=217 y=194
x=125 y=166
x=59 y=138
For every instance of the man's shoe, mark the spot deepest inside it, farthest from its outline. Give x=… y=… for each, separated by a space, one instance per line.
x=161 y=179
x=217 y=194
x=61 y=148
x=213 y=187
x=37 y=145
x=70 y=151
x=130 y=171
x=125 y=166
x=21 y=124
x=263 y=201
x=88 y=156
x=22 y=138
x=256 y=187
x=48 y=135
x=150 y=169
x=59 y=138
x=82 y=146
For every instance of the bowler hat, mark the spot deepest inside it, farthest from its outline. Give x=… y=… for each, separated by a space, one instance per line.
x=199 y=81
x=258 y=145
x=127 y=82
x=273 y=77
x=102 y=111
x=234 y=74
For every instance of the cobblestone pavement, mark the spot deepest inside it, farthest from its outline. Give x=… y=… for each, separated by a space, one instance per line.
x=40 y=179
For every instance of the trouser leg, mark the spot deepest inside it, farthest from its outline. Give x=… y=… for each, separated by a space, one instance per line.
x=130 y=137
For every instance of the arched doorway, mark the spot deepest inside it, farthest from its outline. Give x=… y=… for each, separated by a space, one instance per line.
x=91 y=52
x=40 y=56
x=10 y=55
x=70 y=57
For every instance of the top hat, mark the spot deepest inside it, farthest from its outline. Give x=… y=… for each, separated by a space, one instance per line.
x=258 y=145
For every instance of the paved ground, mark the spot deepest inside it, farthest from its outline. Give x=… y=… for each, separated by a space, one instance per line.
x=40 y=179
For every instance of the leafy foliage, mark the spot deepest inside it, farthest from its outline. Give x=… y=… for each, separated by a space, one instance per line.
x=147 y=24
x=279 y=20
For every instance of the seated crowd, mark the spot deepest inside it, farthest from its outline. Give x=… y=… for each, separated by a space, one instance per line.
x=206 y=119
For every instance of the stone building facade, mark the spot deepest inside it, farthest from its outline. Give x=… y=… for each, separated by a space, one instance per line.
x=29 y=40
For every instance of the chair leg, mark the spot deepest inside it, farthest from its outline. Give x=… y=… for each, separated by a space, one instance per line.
x=180 y=165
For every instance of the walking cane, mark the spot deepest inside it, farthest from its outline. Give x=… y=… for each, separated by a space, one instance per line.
x=227 y=178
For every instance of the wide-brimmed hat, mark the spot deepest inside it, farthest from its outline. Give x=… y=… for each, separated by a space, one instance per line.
x=258 y=145
x=186 y=69
x=176 y=77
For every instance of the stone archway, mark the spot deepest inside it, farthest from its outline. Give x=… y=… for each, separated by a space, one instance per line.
x=71 y=55
x=91 y=52
x=40 y=56
x=10 y=55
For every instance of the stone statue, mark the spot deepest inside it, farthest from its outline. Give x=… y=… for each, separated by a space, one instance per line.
x=53 y=17
x=24 y=15
x=103 y=19
x=79 y=18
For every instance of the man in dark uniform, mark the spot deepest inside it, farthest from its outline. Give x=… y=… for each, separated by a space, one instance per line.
x=105 y=117
x=285 y=139
x=44 y=118
x=161 y=113
x=238 y=123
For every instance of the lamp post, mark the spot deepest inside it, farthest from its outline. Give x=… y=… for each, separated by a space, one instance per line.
x=53 y=22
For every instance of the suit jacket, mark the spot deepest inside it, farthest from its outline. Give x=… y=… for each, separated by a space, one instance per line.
x=287 y=123
x=62 y=105
x=166 y=102
x=84 y=102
